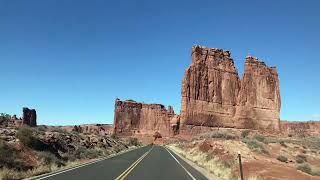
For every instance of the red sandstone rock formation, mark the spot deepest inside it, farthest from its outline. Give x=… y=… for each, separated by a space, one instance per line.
x=132 y=117
x=300 y=128
x=259 y=100
x=29 y=117
x=209 y=89
x=213 y=95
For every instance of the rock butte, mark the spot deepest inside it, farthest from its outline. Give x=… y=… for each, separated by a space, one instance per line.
x=132 y=117
x=213 y=96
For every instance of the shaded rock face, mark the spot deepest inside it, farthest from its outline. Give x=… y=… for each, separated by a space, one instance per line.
x=29 y=117
x=213 y=95
x=132 y=117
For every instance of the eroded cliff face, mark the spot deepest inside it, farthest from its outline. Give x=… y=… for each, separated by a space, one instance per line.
x=132 y=117
x=259 y=100
x=210 y=89
x=213 y=95
x=300 y=128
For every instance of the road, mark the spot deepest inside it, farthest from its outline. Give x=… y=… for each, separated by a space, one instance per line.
x=149 y=162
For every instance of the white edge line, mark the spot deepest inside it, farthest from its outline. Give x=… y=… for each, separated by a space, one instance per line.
x=79 y=166
x=181 y=165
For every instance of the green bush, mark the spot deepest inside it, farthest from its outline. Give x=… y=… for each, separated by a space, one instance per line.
x=282 y=158
x=301 y=158
x=223 y=135
x=260 y=138
x=49 y=158
x=84 y=153
x=245 y=133
x=305 y=168
x=255 y=145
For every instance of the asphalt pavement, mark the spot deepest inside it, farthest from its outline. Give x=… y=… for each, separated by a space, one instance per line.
x=149 y=162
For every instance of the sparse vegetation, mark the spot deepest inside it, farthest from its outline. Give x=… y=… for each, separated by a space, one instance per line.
x=255 y=145
x=301 y=159
x=282 y=158
x=305 y=168
x=245 y=133
x=25 y=135
x=134 y=142
x=223 y=135
x=260 y=138
x=84 y=153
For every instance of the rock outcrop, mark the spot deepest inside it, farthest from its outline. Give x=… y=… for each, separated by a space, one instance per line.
x=300 y=128
x=132 y=117
x=210 y=89
x=259 y=100
x=214 y=95
x=29 y=117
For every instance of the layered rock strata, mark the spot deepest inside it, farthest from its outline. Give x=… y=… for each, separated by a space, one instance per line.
x=132 y=117
x=213 y=94
x=300 y=128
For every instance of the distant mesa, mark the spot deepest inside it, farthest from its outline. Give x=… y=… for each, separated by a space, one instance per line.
x=212 y=96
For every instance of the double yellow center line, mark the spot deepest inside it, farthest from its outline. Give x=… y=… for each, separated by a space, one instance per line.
x=130 y=168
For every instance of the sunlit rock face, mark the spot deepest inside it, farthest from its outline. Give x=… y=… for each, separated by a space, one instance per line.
x=214 y=95
x=259 y=100
x=132 y=117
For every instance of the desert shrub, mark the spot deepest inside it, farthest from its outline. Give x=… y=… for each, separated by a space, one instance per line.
x=245 y=133
x=25 y=135
x=223 y=135
x=84 y=153
x=301 y=158
x=260 y=138
x=4 y=117
x=209 y=156
x=133 y=142
x=49 y=158
x=255 y=145
x=9 y=158
x=305 y=168
x=7 y=155
x=315 y=173
x=282 y=158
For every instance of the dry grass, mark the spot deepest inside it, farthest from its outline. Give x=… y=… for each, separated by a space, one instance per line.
x=208 y=162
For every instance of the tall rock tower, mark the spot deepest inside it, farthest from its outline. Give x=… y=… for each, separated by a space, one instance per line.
x=213 y=95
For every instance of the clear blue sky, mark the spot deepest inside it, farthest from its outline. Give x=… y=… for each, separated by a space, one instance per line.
x=70 y=59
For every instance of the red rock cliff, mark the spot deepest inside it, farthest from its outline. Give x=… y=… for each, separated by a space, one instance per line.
x=209 y=89
x=300 y=128
x=213 y=95
x=132 y=117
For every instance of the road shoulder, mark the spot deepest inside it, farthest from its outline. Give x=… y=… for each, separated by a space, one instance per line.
x=201 y=170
